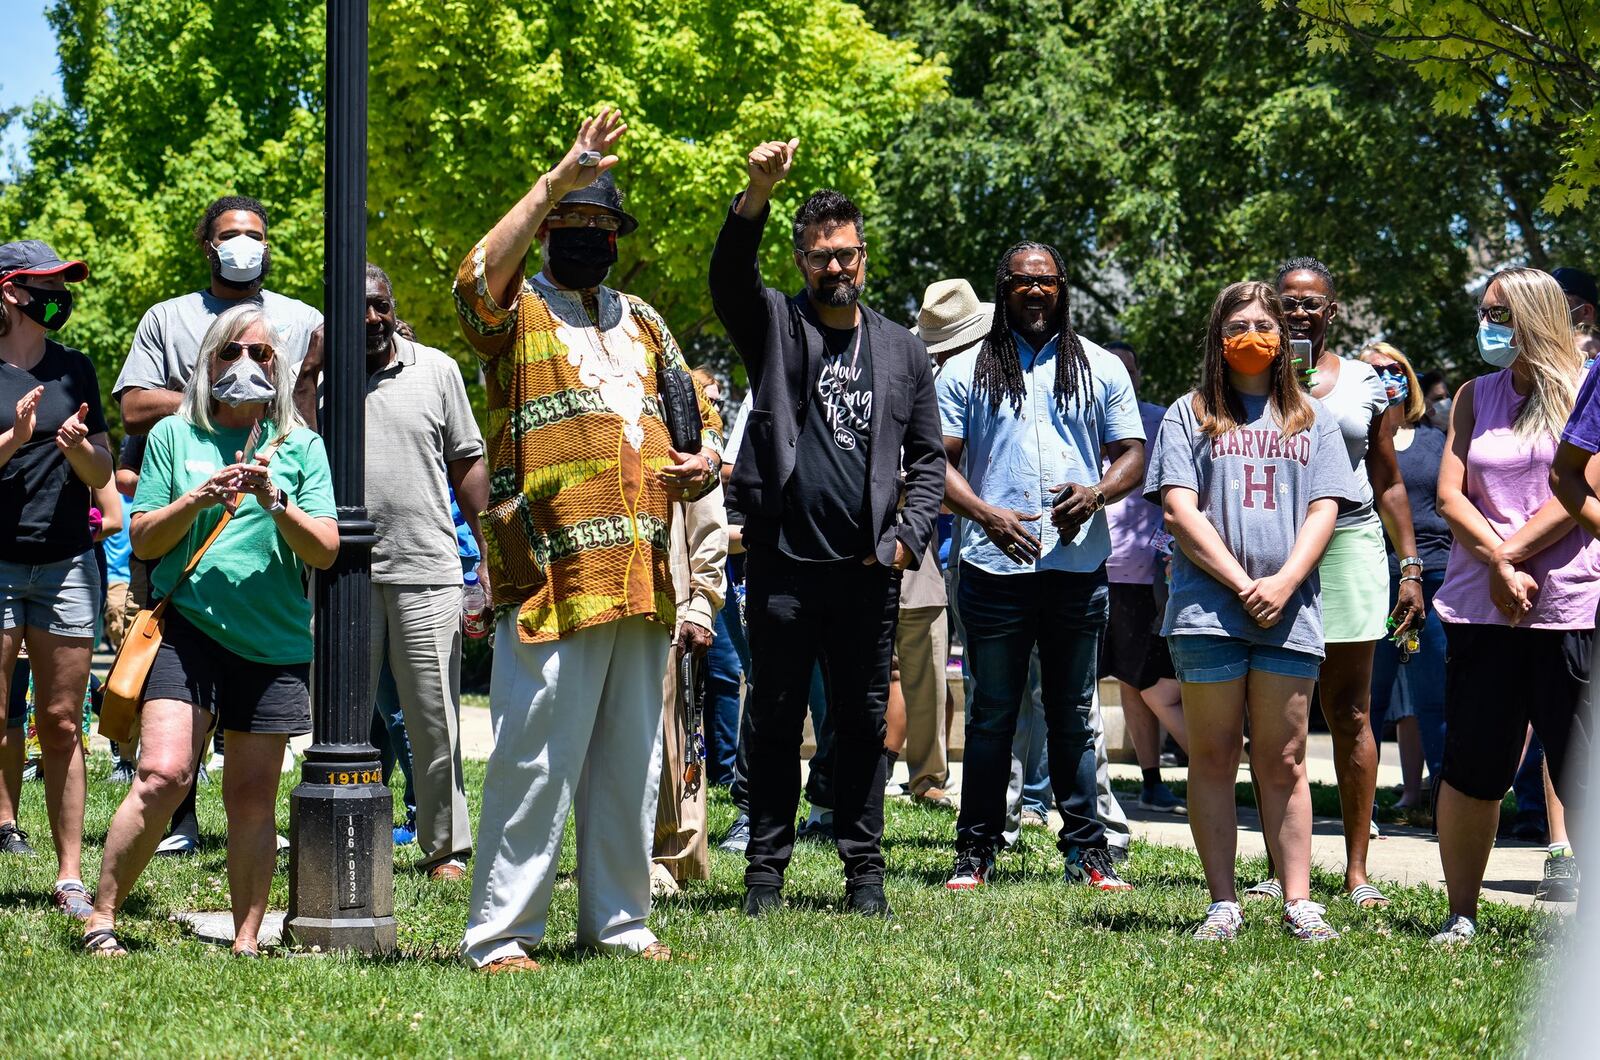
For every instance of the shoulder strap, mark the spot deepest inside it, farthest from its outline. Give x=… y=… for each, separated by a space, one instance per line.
x=265 y=453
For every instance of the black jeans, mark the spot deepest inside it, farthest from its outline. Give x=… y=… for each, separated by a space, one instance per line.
x=843 y=615
x=1004 y=616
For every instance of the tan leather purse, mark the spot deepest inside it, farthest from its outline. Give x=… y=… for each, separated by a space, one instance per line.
x=119 y=709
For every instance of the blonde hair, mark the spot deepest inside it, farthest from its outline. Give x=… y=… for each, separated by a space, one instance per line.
x=1415 y=406
x=1546 y=344
x=229 y=325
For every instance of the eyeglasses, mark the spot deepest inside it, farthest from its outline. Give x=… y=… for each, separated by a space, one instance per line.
x=1235 y=328
x=1495 y=314
x=1314 y=304
x=817 y=260
x=574 y=219
x=1047 y=284
x=260 y=352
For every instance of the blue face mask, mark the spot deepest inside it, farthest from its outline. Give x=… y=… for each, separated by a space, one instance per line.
x=1394 y=385
x=1494 y=344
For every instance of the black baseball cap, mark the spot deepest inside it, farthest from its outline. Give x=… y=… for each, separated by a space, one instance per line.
x=1578 y=284
x=33 y=257
x=603 y=192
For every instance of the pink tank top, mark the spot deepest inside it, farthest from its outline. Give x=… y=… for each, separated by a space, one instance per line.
x=1508 y=480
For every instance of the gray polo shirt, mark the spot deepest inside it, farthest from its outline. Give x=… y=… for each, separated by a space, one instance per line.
x=167 y=341
x=418 y=420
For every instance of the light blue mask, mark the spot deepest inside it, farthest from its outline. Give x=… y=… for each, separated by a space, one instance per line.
x=1494 y=344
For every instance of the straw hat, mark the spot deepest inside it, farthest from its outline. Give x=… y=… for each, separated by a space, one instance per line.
x=951 y=316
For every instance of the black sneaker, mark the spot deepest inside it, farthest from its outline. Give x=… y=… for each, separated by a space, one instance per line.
x=14 y=840
x=972 y=870
x=761 y=899
x=1093 y=866
x=867 y=898
x=1560 y=883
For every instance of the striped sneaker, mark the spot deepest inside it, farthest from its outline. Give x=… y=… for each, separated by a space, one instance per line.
x=1303 y=919
x=1223 y=921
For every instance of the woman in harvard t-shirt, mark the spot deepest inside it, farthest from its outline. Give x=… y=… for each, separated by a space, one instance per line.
x=53 y=451
x=1250 y=472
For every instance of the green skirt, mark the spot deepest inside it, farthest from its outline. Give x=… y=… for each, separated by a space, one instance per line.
x=1355 y=585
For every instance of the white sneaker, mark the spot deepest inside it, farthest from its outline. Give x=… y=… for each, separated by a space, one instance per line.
x=1222 y=924
x=177 y=843
x=1457 y=931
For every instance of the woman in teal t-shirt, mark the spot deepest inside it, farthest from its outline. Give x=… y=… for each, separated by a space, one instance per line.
x=236 y=647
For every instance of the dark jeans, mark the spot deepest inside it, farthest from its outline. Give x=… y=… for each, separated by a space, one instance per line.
x=1005 y=616
x=1424 y=674
x=723 y=671
x=842 y=615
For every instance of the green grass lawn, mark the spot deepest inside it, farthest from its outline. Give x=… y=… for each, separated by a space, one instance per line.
x=1025 y=967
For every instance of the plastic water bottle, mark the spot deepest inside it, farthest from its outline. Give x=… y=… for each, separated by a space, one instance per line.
x=474 y=608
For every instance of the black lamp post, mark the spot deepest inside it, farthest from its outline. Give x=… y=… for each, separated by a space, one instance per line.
x=341 y=854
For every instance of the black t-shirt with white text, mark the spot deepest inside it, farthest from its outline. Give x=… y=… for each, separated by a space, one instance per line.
x=44 y=506
x=825 y=501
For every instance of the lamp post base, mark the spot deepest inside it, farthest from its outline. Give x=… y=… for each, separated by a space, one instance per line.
x=341 y=862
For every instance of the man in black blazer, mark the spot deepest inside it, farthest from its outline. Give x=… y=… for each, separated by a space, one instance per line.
x=839 y=480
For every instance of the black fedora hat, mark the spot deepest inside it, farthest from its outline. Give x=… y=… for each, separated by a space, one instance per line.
x=603 y=192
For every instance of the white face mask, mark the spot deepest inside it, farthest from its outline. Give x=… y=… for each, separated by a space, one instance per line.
x=244 y=381
x=240 y=258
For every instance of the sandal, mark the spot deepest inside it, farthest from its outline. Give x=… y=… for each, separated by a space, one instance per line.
x=72 y=898
x=1267 y=888
x=1366 y=896
x=515 y=963
x=103 y=942
x=656 y=951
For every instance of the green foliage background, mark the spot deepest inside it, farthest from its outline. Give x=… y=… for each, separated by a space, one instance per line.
x=1167 y=146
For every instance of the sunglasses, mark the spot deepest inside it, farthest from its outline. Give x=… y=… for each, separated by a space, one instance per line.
x=260 y=352
x=1312 y=304
x=817 y=260
x=1495 y=314
x=1047 y=284
x=603 y=221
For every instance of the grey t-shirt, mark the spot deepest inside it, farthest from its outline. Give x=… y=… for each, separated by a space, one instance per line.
x=1357 y=396
x=167 y=342
x=1254 y=486
x=418 y=420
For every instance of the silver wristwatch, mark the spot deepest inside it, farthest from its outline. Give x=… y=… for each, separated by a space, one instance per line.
x=280 y=501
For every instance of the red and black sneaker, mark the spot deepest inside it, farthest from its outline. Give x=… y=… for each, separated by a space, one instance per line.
x=973 y=869
x=1092 y=866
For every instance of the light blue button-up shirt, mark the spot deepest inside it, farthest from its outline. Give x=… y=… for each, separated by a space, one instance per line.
x=1011 y=458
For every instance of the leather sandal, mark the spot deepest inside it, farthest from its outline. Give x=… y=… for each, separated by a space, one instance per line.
x=656 y=951
x=103 y=942
x=516 y=963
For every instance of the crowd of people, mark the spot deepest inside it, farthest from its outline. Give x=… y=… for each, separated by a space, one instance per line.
x=1302 y=532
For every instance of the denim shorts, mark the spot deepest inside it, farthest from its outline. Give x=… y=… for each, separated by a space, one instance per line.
x=61 y=598
x=1204 y=658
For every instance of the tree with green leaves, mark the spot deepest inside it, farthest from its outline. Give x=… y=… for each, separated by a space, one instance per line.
x=169 y=103
x=1528 y=60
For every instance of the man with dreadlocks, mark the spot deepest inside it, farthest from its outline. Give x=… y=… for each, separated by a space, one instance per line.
x=839 y=482
x=1034 y=411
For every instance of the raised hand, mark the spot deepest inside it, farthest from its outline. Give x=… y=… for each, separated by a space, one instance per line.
x=597 y=135
x=769 y=163
x=72 y=432
x=27 y=416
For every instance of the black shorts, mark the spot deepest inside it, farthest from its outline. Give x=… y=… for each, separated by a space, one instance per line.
x=1497 y=680
x=241 y=694
x=1133 y=649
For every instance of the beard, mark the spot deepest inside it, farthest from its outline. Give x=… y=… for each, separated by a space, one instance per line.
x=1037 y=327
x=840 y=294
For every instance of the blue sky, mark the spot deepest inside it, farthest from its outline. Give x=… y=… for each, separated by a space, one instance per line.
x=28 y=66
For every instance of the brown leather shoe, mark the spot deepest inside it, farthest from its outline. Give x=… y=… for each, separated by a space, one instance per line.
x=657 y=951
x=447 y=870
x=518 y=963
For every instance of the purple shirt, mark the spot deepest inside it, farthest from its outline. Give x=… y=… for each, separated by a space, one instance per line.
x=1508 y=480
x=1583 y=426
x=1132 y=521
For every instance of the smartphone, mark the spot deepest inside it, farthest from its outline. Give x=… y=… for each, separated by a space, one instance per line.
x=1300 y=350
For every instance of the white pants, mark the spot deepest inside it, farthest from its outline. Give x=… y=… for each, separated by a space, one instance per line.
x=576 y=721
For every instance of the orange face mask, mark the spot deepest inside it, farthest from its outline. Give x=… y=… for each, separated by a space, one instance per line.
x=1250 y=353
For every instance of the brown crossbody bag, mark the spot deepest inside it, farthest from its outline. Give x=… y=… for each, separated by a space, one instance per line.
x=119 y=710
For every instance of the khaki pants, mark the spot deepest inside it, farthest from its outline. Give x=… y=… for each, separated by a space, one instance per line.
x=120 y=610
x=680 y=845
x=922 y=642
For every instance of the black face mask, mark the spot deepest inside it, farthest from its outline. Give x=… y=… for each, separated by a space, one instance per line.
x=49 y=309
x=581 y=257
